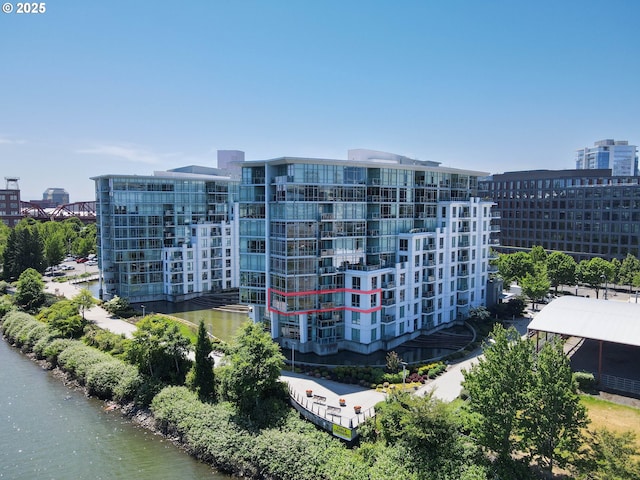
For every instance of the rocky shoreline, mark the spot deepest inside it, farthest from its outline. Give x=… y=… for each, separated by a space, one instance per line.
x=141 y=417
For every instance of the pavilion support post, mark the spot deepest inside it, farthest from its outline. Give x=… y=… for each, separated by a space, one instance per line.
x=537 y=340
x=600 y=362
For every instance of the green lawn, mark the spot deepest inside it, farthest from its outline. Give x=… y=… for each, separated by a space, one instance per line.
x=613 y=416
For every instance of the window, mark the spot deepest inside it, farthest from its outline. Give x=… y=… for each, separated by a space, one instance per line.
x=355 y=318
x=374 y=300
x=404 y=244
x=355 y=283
x=355 y=300
x=355 y=334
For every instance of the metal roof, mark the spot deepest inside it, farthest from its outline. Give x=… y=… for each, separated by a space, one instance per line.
x=607 y=320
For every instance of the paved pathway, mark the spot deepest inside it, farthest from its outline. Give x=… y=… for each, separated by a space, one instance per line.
x=95 y=314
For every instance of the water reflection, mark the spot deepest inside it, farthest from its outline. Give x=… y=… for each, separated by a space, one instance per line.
x=219 y=323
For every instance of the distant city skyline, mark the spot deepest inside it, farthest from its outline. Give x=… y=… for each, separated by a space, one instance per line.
x=96 y=89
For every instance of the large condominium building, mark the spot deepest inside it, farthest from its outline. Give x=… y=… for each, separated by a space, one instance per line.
x=170 y=236
x=361 y=254
x=616 y=155
x=584 y=213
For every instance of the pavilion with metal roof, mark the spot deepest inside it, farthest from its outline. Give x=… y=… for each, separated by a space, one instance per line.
x=588 y=318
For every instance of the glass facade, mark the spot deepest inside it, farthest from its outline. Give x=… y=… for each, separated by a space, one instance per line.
x=320 y=258
x=165 y=238
x=582 y=213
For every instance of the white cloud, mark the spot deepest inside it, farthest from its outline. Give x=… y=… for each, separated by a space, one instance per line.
x=4 y=140
x=127 y=152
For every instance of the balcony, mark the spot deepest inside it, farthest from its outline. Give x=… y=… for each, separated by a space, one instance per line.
x=388 y=285
x=428 y=294
x=388 y=301
x=327 y=270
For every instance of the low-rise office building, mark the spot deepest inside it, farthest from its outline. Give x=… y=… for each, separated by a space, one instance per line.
x=10 y=202
x=584 y=213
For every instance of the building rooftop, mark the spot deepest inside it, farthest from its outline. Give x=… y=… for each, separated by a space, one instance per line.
x=606 y=320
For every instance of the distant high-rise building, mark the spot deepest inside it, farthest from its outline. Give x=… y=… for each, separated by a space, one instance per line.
x=616 y=155
x=10 y=202
x=55 y=196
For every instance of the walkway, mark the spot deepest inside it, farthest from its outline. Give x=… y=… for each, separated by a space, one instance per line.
x=95 y=314
x=448 y=386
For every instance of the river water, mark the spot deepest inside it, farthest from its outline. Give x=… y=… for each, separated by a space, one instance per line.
x=48 y=431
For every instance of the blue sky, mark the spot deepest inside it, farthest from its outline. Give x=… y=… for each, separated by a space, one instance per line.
x=92 y=88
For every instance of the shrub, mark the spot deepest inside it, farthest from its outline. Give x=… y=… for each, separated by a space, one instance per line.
x=56 y=347
x=113 y=379
x=105 y=340
x=33 y=336
x=586 y=381
x=6 y=305
x=43 y=343
x=78 y=358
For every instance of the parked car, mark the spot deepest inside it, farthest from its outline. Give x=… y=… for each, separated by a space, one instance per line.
x=67 y=267
x=81 y=260
x=92 y=262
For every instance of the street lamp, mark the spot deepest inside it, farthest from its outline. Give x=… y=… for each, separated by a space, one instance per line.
x=404 y=373
x=604 y=279
x=143 y=307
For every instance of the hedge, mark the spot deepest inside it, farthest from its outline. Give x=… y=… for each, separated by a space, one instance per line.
x=113 y=379
x=293 y=450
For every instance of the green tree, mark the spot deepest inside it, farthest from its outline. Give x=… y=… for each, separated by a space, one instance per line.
x=203 y=382
x=54 y=249
x=23 y=250
x=117 y=305
x=628 y=269
x=30 y=290
x=561 y=269
x=394 y=362
x=514 y=266
x=254 y=370
x=611 y=456
x=595 y=273
x=536 y=286
x=553 y=417
x=538 y=255
x=497 y=388
x=426 y=429
x=5 y=231
x=480 y=313
x=84 y=300
x=85 y=242
x=158 y=347
x=63 y=316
